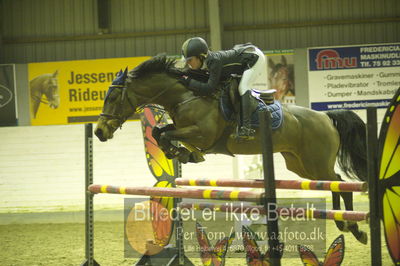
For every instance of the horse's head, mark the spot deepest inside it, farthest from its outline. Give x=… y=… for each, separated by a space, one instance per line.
x=119 y=104
x=279 y=78
x=50 y=89
x=146 y=84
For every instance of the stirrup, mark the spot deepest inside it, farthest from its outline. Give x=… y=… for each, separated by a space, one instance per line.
x=245 y=133
x=267 y=96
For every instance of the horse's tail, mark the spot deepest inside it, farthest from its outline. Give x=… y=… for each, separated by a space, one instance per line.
x=352 y=155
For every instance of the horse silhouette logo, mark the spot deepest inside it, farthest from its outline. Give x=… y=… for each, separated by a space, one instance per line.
x=47 y=85
x=5 y=96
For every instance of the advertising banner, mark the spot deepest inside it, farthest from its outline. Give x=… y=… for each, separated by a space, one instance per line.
x=67 y=92
x=281 y=74
x=8 y=114
x=353 y=77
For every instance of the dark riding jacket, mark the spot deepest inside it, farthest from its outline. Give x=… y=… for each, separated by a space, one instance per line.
x=221 y=65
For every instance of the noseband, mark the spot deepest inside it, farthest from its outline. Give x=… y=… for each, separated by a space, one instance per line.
x=118 y=112
x=39 y=99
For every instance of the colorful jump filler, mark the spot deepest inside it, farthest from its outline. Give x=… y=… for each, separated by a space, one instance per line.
x=209 y=254
x=165 y=171
x=334 y=256
x=253 y=254
x=160 y=166
x=163 y=228
x=389 y=176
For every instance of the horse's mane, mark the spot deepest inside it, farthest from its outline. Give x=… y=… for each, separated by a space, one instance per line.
x=156 y=64
x=163 y=64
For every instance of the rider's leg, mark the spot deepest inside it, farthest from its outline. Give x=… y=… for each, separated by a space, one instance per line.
x=245 y=131
x=253 y=78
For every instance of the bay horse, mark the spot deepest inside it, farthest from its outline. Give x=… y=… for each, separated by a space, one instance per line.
x=47 y=85
x=310 y=141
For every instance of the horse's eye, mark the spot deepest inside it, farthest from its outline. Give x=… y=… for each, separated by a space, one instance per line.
x=114 y=95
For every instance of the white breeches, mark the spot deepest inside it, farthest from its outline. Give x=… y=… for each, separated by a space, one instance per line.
x=255 y=77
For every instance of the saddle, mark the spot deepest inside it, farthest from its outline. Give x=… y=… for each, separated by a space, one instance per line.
x=229 y=104
x=229 y=98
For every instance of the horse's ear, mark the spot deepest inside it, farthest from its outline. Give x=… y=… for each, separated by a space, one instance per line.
x=271 y=63
x=119 y=73
x=55 y=74
x=126 y=72
x=283 y=60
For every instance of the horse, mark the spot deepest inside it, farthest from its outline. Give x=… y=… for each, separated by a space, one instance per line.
x=45 y=84
x=310 y=141
x=281 y=78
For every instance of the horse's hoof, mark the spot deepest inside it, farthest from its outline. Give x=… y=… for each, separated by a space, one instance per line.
x=363 y=238
x=183 y=159
x=156 y=133
x=196 y=157
x=169 y=155
x=184 y=155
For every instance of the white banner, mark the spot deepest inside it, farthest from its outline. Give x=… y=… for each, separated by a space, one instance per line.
x=353 y=77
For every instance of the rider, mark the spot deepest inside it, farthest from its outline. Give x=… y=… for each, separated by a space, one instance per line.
x=245 y=59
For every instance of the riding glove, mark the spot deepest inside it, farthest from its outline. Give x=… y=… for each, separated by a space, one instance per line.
x=184 y=80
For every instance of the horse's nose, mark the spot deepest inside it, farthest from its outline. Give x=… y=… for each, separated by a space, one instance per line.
x=99 y=133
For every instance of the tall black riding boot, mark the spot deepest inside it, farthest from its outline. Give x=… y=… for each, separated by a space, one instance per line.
x=245 y=132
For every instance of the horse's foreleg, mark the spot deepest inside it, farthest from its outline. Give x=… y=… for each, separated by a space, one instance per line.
x=158 y=130
x=185 y=135
x=170 y=150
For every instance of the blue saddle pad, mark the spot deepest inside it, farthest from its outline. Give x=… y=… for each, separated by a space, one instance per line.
x=275 y=109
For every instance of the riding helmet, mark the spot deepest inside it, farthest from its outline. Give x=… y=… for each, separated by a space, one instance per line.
x=194 y=47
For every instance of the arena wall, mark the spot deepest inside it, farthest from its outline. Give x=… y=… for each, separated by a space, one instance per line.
x=51 y=30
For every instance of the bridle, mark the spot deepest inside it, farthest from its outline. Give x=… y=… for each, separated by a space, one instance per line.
x=39 y=99
x=118 y=112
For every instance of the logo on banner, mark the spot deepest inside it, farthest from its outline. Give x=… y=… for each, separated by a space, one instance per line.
x=44 y=89
x=330 y=59
x=5 y=96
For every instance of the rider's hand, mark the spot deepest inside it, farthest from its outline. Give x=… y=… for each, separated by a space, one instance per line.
x=185 y=80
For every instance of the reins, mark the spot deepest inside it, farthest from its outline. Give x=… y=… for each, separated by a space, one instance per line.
x=39 y=99
x=118 y=112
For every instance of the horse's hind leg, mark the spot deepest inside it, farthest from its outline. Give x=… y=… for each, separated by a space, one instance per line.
x=341 y=225
x=353 y=226
x=309 y=169
x=294 y=163
x=347 y=225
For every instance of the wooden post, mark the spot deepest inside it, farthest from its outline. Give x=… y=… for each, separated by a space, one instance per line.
x=374 y=223
x=269 y=186
x=89 y=219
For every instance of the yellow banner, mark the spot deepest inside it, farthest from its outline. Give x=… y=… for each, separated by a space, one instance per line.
x=68 y=92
